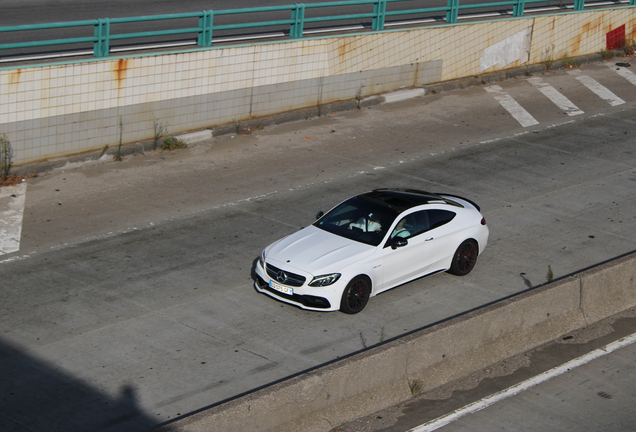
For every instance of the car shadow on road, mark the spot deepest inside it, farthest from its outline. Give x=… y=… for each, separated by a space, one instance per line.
x=38 y=396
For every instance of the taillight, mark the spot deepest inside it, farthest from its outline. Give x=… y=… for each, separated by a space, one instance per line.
x=483 y=221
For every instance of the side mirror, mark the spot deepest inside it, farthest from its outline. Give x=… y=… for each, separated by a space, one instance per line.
x=319 y=214
x=397 y=242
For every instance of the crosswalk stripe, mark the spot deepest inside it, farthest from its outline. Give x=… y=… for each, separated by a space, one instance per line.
x=600 y=90
x=629 y=76
x=512 y=106
x=11 y=210
x=557 y=98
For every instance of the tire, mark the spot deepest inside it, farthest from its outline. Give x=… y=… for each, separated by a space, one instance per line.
x=464 y=258
x=356 y=295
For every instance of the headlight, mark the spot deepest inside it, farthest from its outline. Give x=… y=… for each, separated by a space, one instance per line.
x=324 y=280
x=261 y=260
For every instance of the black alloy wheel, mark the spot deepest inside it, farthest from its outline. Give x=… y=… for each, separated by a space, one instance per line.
x=465 y=258
x=356 y=295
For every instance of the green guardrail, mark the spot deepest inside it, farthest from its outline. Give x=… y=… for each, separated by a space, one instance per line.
x=102 y=35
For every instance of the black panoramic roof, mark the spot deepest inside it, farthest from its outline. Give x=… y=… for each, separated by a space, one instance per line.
x=402 y=199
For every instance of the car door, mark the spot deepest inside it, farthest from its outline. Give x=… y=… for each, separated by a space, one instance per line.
x=424 y=242
x=442 y=236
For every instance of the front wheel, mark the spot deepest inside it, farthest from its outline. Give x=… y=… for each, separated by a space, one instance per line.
x=356 y=295
x=465 y=258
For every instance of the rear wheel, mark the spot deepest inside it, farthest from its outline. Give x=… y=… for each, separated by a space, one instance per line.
x=356 y=295
x=465 y=258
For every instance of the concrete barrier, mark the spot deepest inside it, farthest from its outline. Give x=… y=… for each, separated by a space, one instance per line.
x=383 y=376
x=608 y=288
x=456 y=348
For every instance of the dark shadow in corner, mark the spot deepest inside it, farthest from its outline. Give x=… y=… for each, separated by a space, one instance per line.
x=35 y=396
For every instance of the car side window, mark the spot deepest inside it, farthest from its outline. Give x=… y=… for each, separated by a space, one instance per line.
x=437 y=218
x=411 y=225
x=420 y=222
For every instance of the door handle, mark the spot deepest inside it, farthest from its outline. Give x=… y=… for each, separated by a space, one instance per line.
x=429 y=239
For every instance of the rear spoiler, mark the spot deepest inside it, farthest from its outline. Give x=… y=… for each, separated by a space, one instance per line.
x=462 y=198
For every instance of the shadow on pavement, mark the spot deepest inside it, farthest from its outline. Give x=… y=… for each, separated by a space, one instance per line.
x=35 y=397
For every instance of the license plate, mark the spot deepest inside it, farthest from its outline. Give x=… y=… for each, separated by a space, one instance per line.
x=281 y=288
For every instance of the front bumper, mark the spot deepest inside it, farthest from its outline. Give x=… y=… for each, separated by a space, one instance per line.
x=305 y=297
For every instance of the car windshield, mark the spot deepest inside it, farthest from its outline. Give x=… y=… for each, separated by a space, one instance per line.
x=359 y=219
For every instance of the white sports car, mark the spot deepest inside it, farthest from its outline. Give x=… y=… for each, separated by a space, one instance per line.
x=369 y=244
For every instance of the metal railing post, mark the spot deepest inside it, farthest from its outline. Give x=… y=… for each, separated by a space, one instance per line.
x=579 y=4
x=453 y=11
x=517 y=10
x=379 y=11
x=205 y=23
x=101 y=47
x=298 y=18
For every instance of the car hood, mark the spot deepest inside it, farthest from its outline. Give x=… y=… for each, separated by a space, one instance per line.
x=316 y=251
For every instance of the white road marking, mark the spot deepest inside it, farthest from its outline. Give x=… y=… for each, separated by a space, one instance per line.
x=600 y=90
x=11 y=210
x=629 y=76
x=518 y=388
x=512 y=106
x=557 y=98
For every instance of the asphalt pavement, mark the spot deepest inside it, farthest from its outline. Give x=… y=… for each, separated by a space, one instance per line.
x=130 y=301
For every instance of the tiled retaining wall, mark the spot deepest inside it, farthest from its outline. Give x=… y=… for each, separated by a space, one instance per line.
x=55 y=110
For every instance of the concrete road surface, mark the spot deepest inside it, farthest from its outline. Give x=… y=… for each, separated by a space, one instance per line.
x=130 y=301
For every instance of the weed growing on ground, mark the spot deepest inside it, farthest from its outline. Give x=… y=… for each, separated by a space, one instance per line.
x=416 y=387
x=550 y=276
x=359 y=97
x=382 y=335
x=569 y=63
x=6 y=157
x=607 y=54
x=548 y=57
x=119 y=157
x=630 y=47
x=171 y=143
x=160 y=130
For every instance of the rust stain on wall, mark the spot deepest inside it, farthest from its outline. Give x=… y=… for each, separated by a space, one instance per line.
x=609 y=26
x=346 y=48
x=589 y=30
x=120 y=72
x=576 y=44
x=14 y=77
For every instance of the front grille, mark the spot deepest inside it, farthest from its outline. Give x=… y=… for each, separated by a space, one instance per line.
x=306 y=300
x=294 y=280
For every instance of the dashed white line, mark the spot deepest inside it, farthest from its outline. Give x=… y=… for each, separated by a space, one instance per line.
x=518 y=388
x=512 y=106
x=557 y=98
x=600 y=90
x=11 y=210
